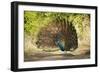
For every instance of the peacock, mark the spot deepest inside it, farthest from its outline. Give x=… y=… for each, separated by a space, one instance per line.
x=65 y=37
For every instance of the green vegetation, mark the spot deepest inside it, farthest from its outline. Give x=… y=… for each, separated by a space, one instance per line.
x=36 y=20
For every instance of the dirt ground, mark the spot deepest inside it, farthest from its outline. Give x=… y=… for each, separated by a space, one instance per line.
x=42 y=56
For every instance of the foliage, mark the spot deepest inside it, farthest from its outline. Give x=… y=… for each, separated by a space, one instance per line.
x=34 y=21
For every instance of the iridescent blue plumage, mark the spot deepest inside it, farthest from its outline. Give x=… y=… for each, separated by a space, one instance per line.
x=58 y=42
